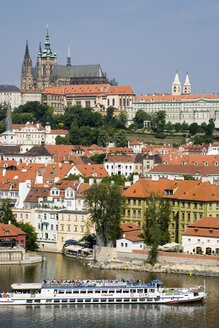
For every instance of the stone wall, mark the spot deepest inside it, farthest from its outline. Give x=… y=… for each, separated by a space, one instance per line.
x=8 y=255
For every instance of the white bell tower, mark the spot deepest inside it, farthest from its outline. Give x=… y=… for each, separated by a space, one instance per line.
x=176 y=85
x=187 y=86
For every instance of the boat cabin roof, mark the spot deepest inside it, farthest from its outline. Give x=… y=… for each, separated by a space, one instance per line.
x=26 y=286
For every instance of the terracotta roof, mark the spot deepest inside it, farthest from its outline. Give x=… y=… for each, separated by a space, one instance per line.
x=92 y=170
x=186 y=169
x=59 y=132
x=12 y=230
x=81 y=191
x=206 y=227
x=120 y=158
x=126 y=227
x=37 y=192
x=183 y=190
x=168 y=97
x=37 y=126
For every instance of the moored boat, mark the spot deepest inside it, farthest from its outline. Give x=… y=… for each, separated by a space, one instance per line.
x=98 y=292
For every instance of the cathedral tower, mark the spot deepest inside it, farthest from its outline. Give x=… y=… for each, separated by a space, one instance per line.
x=176 y=85
x=26 y=75
x=187 y=86
x=46 y=62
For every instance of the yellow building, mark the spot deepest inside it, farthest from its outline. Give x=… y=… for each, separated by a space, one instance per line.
x=190 y=201
x=71 y=225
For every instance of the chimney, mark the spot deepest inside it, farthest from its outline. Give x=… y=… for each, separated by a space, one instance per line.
x=3 y=173
x=135 y=178
x=9 y=222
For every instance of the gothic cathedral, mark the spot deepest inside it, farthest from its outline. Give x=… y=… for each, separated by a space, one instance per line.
x=47 y=72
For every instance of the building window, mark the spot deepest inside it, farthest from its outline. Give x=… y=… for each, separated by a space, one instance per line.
x=126 y=245
x=121 y=244
x=69 y=217
x=139 y=202
x=62 y=227
x=128 y=213
x=68 y=227
x=76 y=228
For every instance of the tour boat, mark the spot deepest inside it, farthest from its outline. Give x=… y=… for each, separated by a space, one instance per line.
x=55 y=292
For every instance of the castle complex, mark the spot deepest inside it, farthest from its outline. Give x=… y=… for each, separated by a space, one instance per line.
x=48 y=73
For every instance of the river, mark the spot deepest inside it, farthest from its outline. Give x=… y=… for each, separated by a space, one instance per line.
x=108 y=316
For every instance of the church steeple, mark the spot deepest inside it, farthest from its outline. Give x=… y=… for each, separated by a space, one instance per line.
x=187 y=85
x=26 y=76
x=176 y=85
x=69 y=57
x=9 y=120
x=47 y=52
x=40 y=50
x=27 y=55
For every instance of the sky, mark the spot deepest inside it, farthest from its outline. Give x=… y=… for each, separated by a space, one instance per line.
x=140 y=43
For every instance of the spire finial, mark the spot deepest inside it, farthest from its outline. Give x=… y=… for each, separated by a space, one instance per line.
x=27 y=50
x=69 y=57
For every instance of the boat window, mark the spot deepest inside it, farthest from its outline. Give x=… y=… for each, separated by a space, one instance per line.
x=104 y=291
x=125 y=291
x=36 y=301
x=65 y=301
x=149 y=299
x=118 y=290
x=96 y=300
x=134 y=299
x=126 y=299
x=90 y=291
x=75 y=291
x=97 y=291
x=140 y=291
x=111 y=300
x=48 y=301
x=152 y=290
x=145 y=291
x=132 y=291
x=112 y=291
x=119 y=300
x=83 y=291
x=103 y=300
x=68 y=291
x=29 y=301
x=72 y=300
x=80 y=300
x=56 y=301
x=61 y=291
x=87 y=300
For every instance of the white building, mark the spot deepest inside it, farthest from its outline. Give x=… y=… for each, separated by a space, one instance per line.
x=120 y=164
x=130 y=240
x=202 y=237
x=10 y=94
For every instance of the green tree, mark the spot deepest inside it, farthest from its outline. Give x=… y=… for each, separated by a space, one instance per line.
x=109 y=119
x=105 y=204
x=103 y=138
x=98 y=158
x=120 y=139
x=31 y=236
x=121 y=120
x=158 y=122
x=156 y=223
x=6 y=213
x=140 y=117
x=40 y=112
x=118 y=179
x=62 y=140
x=193 y=129
x=210 y=128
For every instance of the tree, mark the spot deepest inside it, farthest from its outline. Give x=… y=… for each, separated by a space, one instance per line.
x=120 y=139
x=210 y=128
x=109 y=119
x=117 y=179
x=193 y=129
x=122 y=120
x=31 y=236
x=105 y=204
x=6 y=213
x=156 y=223
x=62 y=140
x=98 y=158
x=103 y=138
x=140 y=117
x=158 y=122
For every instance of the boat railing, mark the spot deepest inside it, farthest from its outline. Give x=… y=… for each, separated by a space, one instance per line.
x=91 y=283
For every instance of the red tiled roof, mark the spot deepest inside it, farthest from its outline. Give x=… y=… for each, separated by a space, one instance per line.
x=12 y=230
x=91 y=169
x=205 y=227
x=168 y=97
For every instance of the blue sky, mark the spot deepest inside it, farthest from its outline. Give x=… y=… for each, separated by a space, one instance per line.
x=138 y=42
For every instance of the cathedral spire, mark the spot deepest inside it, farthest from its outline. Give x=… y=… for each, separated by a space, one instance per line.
x=69 y=57
x=40 y=50
x=47 y=52
x=9 y=127
x=27 y=55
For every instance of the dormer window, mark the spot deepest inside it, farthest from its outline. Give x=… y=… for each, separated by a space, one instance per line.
x=6 y=232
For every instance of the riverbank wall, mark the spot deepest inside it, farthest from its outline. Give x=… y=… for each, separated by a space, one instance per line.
x=109 y=258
